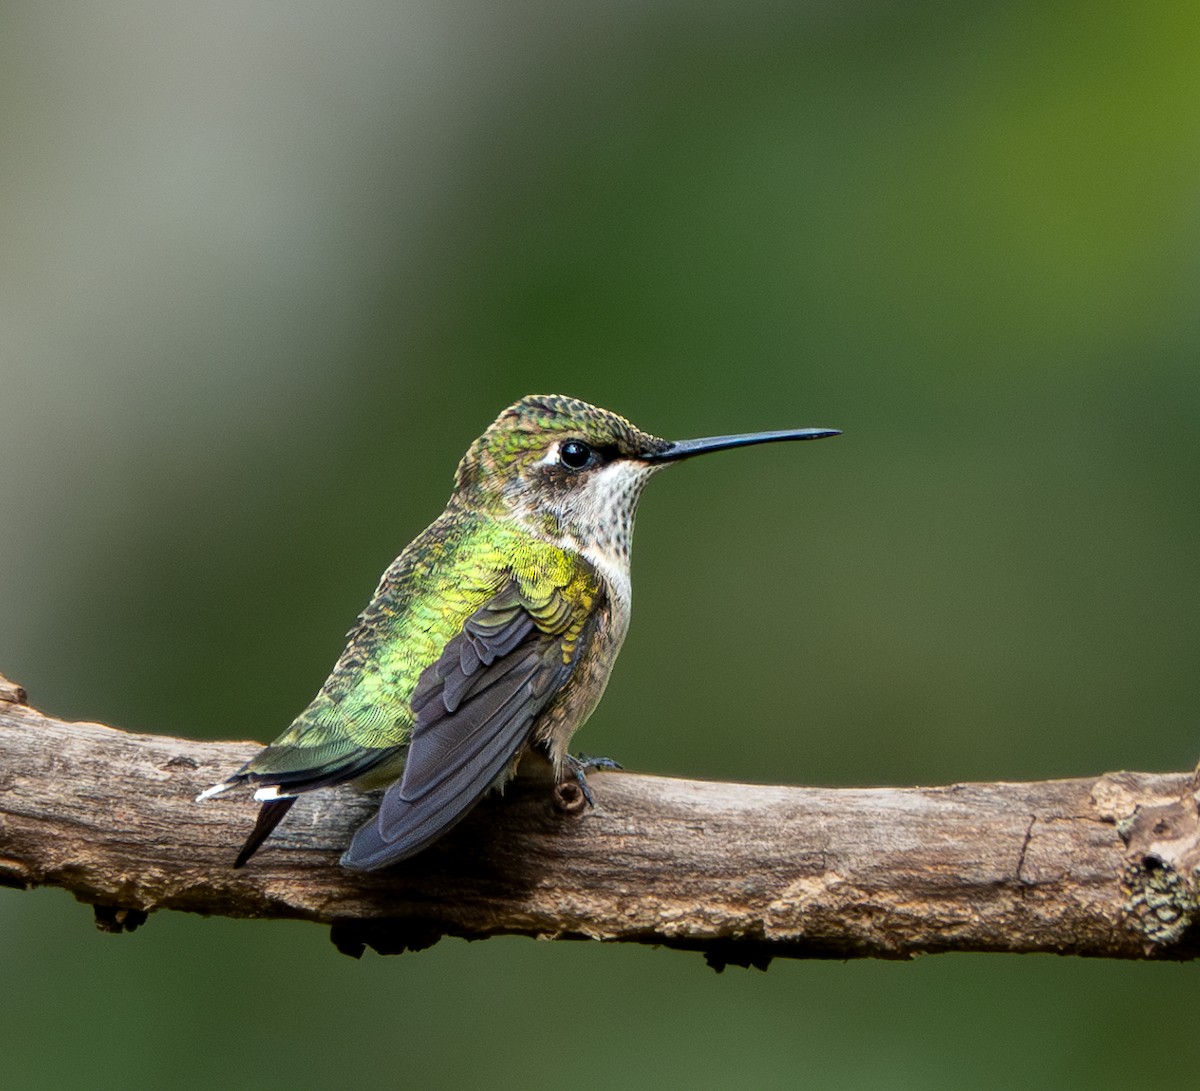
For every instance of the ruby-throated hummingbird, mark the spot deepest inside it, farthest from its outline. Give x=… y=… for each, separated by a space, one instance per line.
x=491 y=635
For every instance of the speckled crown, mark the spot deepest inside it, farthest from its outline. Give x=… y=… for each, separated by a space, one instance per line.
x=524 y=426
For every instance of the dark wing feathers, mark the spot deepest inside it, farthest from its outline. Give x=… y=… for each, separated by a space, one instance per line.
x=444 y=739
x=474 y=709
x=405 y=826
x=489 y=634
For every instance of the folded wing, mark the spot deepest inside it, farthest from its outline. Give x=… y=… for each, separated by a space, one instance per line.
x=474 y=710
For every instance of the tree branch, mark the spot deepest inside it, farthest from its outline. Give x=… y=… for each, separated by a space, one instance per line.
x=1103 y=866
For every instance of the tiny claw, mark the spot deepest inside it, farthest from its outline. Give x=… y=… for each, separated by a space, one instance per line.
x=579 y=767
x=581 y=780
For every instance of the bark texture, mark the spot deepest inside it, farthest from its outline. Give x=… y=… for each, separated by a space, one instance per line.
x=1103 y=866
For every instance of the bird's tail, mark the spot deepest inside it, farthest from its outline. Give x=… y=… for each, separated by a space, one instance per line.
x=270 y=814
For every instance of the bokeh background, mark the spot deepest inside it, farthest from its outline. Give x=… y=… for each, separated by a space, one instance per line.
x=265 y=270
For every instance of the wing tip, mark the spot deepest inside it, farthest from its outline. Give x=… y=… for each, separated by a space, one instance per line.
x=370 y=851
x=363 y=856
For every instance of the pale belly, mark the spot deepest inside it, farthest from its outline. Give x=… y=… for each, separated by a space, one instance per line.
x=582 y=693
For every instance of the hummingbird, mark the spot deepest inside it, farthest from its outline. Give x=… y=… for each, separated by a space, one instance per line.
x=491 y=637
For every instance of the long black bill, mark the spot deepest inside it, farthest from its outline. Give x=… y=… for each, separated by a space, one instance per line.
x=686 y=448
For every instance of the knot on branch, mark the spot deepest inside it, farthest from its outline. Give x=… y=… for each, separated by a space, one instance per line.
x=1162 y=874
x=569 y=797
x=1161 y=902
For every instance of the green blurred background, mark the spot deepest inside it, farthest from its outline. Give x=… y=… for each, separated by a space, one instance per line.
x=266 y=270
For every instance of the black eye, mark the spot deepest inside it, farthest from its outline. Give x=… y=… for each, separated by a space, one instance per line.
x=574 y=454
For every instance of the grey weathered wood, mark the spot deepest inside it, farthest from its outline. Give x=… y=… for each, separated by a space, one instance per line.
x=1097 y=866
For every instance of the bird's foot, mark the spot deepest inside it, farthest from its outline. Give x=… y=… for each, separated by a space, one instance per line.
x=578 y=767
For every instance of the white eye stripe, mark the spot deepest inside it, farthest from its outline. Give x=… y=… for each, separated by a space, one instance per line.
x=551 y=456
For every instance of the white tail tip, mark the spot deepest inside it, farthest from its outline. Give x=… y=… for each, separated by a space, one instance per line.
x=265 y=795
x=215 y=790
